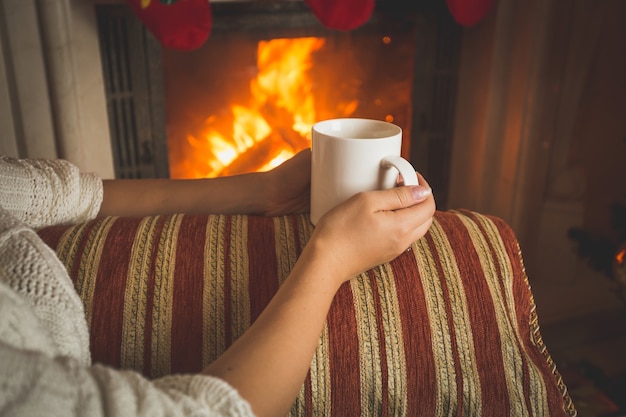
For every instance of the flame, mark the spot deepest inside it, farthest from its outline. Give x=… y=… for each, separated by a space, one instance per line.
x=281 y=109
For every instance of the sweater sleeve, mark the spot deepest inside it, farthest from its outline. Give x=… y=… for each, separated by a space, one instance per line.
x=45 y=192
x=35 y=384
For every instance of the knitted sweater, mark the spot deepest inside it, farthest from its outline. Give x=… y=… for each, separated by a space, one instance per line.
x=45 y=366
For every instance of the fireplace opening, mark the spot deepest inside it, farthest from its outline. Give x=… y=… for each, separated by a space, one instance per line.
x=246 y=100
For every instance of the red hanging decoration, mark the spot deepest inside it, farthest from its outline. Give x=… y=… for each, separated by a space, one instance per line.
x=342 y=14
x=469 y=12
x=186 y=24
x=177 y=24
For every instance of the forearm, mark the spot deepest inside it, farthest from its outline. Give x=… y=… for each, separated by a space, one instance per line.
x=241 y=194
x=269 y=363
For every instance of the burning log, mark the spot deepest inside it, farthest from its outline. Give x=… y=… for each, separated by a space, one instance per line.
x=282 y=120
x=259 y=157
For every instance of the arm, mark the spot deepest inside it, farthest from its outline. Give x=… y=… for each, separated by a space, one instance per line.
x=35 y=384
x=268 y=364
x=282 y=190
x=46 y=192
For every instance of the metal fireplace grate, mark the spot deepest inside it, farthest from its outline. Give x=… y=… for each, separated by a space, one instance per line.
x=134 y=92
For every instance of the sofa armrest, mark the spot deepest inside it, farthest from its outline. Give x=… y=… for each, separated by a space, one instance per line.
x=448 y=328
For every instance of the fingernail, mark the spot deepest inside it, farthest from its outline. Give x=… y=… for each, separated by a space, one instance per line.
x=420 y=192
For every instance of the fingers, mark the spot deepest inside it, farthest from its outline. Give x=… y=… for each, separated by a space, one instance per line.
x=288 y=186
x=299 y=165
x=400 y=197
x=301 y=160
x=413 y=210
x=374 y=227
x=421 y=229
x=421 y=180
x=397 y=198
x=410 y=208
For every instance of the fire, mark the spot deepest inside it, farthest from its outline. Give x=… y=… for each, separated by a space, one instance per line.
x=271 y=128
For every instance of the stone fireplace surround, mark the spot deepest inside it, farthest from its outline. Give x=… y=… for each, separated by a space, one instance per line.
x=512 y=130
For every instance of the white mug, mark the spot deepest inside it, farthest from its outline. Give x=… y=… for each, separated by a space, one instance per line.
x=354 y=155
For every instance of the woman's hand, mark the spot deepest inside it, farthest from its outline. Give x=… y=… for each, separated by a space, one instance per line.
x=269 y=362
x=373 y=227
x=288 y=186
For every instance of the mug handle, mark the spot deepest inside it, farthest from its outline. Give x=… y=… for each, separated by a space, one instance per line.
x=390 y=176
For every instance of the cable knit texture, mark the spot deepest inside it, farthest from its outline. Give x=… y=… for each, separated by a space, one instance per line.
x=46 y=192
x=45 y=366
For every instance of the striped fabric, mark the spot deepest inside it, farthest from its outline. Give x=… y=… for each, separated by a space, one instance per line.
x=446 y=329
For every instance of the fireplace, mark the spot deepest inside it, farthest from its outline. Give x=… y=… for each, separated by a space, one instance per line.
x=247 y=99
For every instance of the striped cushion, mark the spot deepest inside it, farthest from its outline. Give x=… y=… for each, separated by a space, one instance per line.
x=448 y=328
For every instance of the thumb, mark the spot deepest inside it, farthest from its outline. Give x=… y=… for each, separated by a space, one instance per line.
x=403 y=197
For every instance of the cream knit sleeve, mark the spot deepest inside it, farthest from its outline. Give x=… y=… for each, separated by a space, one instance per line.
x=43 y=192
x=35 y=385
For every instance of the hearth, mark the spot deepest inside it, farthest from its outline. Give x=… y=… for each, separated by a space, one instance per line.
x=246 y=100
